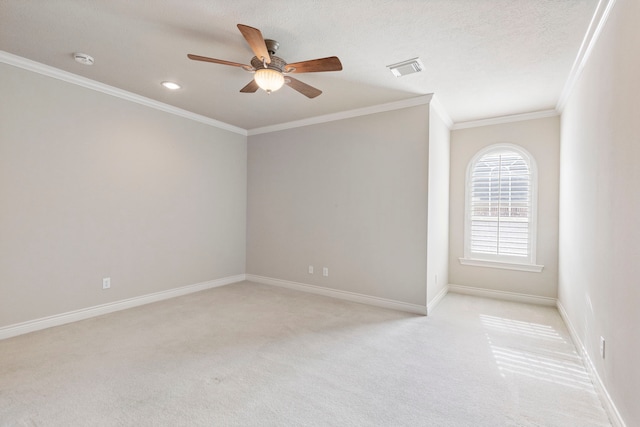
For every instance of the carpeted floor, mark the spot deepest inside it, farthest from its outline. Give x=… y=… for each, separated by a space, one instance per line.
x=255 y=355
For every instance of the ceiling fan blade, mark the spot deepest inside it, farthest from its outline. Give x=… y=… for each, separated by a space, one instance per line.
x=303 y=88
x=256 y=42
x=331 y=63
x=217 y=61
x=251 y=87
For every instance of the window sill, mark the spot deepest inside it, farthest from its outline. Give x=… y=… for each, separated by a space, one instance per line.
x=533 y=268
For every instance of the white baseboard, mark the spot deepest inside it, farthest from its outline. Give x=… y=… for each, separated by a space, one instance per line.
x=503 y=295
x=431 y=305
x=605 y=398
x=98 y=310
x=344 y=295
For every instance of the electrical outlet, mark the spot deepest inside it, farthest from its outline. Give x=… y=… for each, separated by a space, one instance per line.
x=325 y=271
x=602 y=347
x=311 y=269
x=106 y=283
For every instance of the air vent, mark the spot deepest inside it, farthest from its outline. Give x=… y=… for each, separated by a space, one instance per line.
x=409 y=66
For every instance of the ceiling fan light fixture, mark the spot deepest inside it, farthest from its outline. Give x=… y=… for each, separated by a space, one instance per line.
x=269 y=70
x=269 y=79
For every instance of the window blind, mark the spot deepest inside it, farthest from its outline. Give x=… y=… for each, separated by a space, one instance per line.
x=500 y=205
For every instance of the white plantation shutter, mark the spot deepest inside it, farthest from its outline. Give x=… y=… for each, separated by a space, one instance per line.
x=500 y=206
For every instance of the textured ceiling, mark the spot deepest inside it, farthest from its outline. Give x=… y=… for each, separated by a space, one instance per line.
x=483 y=58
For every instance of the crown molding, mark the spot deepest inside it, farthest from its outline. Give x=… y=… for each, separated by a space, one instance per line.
x=411 y=102
x=599 y=19
x=46 y=70
x=56 y=73
x=506 y=119
x=439 y=109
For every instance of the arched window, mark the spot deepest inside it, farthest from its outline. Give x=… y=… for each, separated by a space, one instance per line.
x=500 y=209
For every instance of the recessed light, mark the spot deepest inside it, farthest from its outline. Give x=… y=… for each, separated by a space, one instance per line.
x=171 y=85
x=83 y=58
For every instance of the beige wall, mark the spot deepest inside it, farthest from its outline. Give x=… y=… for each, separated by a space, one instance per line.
x=94 y=186
x=350 y=195
x=540 y=137
x=600 y=201
x=438 y=210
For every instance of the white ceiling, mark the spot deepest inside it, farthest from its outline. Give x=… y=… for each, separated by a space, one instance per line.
x=483 y=58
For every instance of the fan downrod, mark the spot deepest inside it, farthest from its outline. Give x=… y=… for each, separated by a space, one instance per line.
x=272 y=46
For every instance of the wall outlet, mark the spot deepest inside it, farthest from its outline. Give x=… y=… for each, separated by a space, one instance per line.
x=602 y=347
x=106 y=283
x=325 y=271
x=311 y=269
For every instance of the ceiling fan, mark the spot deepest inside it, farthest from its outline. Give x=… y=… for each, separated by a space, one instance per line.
x=271 y=71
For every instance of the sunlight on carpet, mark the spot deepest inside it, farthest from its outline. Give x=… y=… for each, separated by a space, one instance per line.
x=543 y=354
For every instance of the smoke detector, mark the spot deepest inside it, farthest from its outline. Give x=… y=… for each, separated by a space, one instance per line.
x=83 y=58
x=409 y=66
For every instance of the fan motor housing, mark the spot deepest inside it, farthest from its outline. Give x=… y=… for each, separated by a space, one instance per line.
x=276 y=63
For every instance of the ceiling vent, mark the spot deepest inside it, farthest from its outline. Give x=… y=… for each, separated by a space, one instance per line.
x=409 y=66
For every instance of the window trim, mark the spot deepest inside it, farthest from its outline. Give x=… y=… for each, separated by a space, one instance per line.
x=503 y=261
x=534 y=268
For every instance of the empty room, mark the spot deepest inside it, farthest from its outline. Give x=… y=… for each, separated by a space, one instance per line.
x=368 y=213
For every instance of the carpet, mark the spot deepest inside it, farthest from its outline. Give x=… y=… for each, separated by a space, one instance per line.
x=255 y=355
